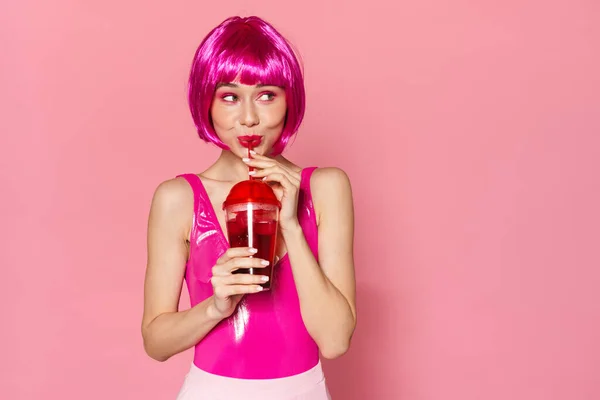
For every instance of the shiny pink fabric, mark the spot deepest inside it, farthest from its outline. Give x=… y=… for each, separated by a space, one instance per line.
x=265 y=338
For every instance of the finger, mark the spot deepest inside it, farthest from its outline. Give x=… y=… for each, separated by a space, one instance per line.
x=283 y=180
x=259 y=156
x=292 y=175
x=254 y=162
x=244 y=279
x=276 y=169
x=290 y=172
x=246 y=262
x=238 y=263
x=233 y=252
x=238 y=279
x=266 y=171
x=232 y=290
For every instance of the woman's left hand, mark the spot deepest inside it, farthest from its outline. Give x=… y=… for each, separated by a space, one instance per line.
x=285 y=184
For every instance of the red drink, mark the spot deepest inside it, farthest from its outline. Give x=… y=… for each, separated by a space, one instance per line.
x=249 y=227
x=251 y=214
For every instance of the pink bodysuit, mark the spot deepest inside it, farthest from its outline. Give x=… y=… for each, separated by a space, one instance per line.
x=265 y=338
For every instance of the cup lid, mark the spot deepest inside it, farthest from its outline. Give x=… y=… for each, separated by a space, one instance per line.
x=251 y=191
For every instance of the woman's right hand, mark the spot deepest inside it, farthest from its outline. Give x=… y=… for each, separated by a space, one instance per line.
x=229 y=288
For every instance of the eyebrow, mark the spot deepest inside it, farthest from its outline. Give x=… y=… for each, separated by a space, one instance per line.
x=233 y=85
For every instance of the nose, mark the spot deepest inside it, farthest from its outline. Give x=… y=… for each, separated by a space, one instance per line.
x=249 y=116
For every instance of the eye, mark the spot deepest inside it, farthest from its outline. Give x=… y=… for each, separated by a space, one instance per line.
x=267 y=96
x=229 y=97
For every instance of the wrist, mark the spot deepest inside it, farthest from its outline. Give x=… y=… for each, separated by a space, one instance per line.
x=291 y=229
x=211 y=311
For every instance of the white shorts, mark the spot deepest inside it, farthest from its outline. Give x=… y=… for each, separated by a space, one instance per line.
x=201 y=385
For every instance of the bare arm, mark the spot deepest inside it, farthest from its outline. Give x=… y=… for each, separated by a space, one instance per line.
x=165 y=330
x=326 y=287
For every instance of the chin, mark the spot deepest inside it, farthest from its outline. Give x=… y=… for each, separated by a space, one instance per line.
x=266 y=148
x=266 y=151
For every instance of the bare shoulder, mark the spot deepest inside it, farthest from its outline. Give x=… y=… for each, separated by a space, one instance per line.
x=330 y=180
x=173 y=194
x=330 y=189
x=173 y=203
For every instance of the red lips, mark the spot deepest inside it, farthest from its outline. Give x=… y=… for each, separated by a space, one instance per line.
x=250 y=141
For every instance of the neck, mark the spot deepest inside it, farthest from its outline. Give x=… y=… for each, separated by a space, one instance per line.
x=230 y=168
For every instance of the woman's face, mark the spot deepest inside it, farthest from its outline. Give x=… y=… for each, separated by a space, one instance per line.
x=241 y=110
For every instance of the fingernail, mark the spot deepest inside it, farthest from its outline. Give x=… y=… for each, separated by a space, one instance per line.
x=252 y=152
x=264 y=278
x=265 y=178
x=264 y=262
x=259 y=288
x=252 y=250
x=245 y=159
x=252 y=173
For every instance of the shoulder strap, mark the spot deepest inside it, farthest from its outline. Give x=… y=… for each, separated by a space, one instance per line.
x=196 y=184
x=306 y=211
x=305 y=179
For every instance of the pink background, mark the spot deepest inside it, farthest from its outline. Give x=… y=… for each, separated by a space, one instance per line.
x=476 y=191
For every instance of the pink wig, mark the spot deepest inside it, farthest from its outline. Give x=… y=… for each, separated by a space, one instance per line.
x=251 y=49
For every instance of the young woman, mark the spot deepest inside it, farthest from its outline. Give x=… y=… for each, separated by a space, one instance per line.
x=250 y=343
